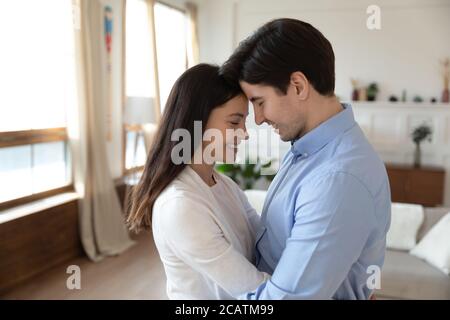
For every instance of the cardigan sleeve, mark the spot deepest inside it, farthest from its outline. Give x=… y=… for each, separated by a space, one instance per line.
x=193 y=234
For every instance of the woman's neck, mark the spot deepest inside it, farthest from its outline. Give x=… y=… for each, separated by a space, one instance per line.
x=205 y=171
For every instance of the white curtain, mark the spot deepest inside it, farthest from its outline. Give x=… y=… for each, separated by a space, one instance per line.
x=154 y=56
x=192 y=41
x=102 y=228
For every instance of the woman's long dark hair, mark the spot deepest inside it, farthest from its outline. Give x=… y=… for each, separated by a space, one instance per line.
x=194 y=95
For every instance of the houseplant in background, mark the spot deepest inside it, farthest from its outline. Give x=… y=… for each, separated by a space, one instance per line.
x=246 y=174
x=418 y=99
x=421 y=133
x=372 y=91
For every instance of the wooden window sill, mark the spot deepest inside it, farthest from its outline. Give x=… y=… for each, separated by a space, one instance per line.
x=37 y=206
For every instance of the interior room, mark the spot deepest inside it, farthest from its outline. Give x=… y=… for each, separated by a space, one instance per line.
x=84 y=87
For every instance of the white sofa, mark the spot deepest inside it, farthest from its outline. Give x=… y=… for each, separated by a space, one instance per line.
x=405 y=276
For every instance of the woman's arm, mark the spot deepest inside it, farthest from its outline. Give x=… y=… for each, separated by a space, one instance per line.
x=193 y=234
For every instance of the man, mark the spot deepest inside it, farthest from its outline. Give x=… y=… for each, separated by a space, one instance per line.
x=327 y=211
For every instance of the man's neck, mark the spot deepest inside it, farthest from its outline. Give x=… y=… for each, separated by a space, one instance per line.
x=321 y=109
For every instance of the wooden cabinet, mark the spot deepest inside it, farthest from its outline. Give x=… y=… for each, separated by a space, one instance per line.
x=424 y=185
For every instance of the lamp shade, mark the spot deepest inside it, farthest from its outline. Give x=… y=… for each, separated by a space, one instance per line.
x=139 y=110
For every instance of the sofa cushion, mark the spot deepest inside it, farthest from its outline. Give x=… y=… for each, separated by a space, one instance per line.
x=431 y=216
x=407 y=277
x=406 y=220
x=435 y=245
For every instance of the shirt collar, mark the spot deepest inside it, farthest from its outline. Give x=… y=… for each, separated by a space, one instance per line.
x=320 y=136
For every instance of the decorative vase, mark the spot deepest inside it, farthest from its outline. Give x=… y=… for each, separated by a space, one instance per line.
x=362 y=94
x=445 y=96
x=417 y=156
x=355 y=95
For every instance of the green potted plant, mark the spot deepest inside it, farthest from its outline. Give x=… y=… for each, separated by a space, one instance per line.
x=246 y=174
x=421 y=133
x=372 y=91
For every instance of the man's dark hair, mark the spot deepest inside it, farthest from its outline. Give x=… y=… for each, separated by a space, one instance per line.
x=279 y=48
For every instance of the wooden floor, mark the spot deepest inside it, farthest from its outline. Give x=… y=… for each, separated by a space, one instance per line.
x=136 y=274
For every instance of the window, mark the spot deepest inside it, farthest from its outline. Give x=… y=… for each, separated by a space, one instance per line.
x=170 y=26
x=170 y=29
x=37 y=81
x=139 y=76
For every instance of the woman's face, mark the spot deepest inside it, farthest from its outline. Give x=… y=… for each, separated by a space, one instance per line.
x=225 y=130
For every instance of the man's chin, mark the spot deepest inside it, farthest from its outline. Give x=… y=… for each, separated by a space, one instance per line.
x=285 y=138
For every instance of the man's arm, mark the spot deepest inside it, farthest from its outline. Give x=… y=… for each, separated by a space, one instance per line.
x=333 y=219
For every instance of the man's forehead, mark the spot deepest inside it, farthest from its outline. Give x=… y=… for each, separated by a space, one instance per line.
x=252 y=91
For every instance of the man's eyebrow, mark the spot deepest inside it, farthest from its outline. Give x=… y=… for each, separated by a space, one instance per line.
x=253 y=99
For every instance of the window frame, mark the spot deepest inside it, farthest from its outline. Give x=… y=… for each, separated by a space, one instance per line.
x=31 y=137
x=130 y=128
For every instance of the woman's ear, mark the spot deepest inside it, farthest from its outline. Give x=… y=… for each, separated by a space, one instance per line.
x=301 y=85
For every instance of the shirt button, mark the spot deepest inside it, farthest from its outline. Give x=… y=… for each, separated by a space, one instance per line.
x=305 y=155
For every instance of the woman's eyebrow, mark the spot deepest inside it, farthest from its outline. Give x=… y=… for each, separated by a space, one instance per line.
x=237 y=114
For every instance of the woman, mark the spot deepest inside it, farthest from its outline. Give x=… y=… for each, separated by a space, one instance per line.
x=203 y=226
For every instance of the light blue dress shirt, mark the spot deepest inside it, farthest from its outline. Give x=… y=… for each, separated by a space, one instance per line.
x=326 y=216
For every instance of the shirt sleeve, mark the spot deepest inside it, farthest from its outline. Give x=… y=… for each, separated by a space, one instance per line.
x=194 y=235
x=333 y=220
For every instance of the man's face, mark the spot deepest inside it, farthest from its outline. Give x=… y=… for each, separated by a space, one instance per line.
x=285 y=113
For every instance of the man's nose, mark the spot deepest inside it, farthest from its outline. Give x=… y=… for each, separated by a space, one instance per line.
x=246 y=136
x=259 y=116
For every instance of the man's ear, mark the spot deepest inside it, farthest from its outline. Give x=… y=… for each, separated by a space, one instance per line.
x=301 y=84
